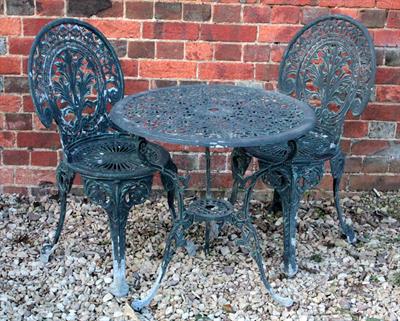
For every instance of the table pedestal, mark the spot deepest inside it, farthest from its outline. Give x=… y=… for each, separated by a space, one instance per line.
x=211 y=210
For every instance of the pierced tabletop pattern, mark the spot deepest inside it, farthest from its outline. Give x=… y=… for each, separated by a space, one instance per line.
x=214 y=115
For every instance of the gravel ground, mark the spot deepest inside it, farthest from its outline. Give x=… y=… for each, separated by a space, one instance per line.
x=336 y=281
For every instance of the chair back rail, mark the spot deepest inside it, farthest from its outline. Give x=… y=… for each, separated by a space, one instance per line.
x=75 y=77
x=330 y=64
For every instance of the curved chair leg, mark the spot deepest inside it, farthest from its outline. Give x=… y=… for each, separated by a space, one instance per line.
x=239 y=162
x=117 y=198
x=64 y=182
x=337 y=168
x=249 y=239
x=290 y=196
x=170 y=188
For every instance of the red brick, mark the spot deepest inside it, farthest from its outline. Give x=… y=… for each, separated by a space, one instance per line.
x=171 y=30
x=9 y=103
x=50 y=7
x=15 y=157
x=196 y=12
x=141 y=49
x=167 y=69
x=277 y=52
x=6 y=176
x=32 y=26
x=388 y=4
x=170 y=50
x=368 y=147
x=25 y=65
x=393 y=19
x=387 y=37
x=218 y=162
x=134 y=86
x=292 y=2
x=375 y=165
x=19 y=121
x=38 y=139
x=354 y=13
x=43 y=158
x=15 y=190
x=382 y=112
x=116 y=10
x=186 y=161
x=117 y=29
x=390 y=76
x=129 y=67
x=34 y=176
x=226 y=71
x=2 y=121
x=355 y=129
x=7 y=139
x=10 y=26
x=27 y=104
x=139 y=10
x=253 y=14
x=267 y=72
x=10 y=65
x=19 y=46
x=231 y=33
x=168 y=11
x=347 y=3
x=226 y=13
x=373 y=18
x=228 y=52
x=256 y=53
x=353 y=165
x=199 y=51
x=277 y=33
x=388 y=93
x=309 y=14
x=367 y=182
x=285 y=14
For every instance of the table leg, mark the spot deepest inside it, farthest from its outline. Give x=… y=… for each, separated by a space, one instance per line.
x=249 y=238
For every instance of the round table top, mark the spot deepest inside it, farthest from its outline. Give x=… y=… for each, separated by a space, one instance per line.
x=214 y=116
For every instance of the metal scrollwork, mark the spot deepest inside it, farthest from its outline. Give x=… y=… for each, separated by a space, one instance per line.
x=74 y=73
x=331 y=65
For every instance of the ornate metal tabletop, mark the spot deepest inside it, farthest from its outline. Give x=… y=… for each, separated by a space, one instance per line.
x=214 y=115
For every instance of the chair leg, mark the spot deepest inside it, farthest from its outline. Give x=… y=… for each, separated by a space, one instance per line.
x=170 y=188
x=239 y=162
x=117 y=198
x=337 y=168
x=64 y=182
x=290 y=196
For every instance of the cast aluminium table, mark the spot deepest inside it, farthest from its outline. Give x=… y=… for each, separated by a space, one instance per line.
x=212 y=116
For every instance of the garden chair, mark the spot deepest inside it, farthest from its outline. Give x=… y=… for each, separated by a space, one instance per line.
x=330 y=64
x=75 y=77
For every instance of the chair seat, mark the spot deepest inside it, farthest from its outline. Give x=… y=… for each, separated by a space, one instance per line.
x=111 y=156
x=315 y=146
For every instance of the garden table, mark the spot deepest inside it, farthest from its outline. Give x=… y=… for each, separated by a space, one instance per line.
x=212 y=116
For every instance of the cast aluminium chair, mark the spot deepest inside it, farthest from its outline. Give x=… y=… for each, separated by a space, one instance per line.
x=74 y=78
x=329 y=64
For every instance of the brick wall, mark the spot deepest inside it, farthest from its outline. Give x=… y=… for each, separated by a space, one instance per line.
x=169 y=43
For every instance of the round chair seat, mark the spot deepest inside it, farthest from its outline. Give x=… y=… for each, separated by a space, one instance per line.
x=112 y=156
x=315 y=146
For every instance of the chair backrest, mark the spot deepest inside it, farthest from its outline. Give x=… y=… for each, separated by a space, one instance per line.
x=74 y=78
x=330 y=64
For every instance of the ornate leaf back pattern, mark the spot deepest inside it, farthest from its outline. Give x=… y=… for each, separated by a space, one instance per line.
x=74 y=75
x=330 y=64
